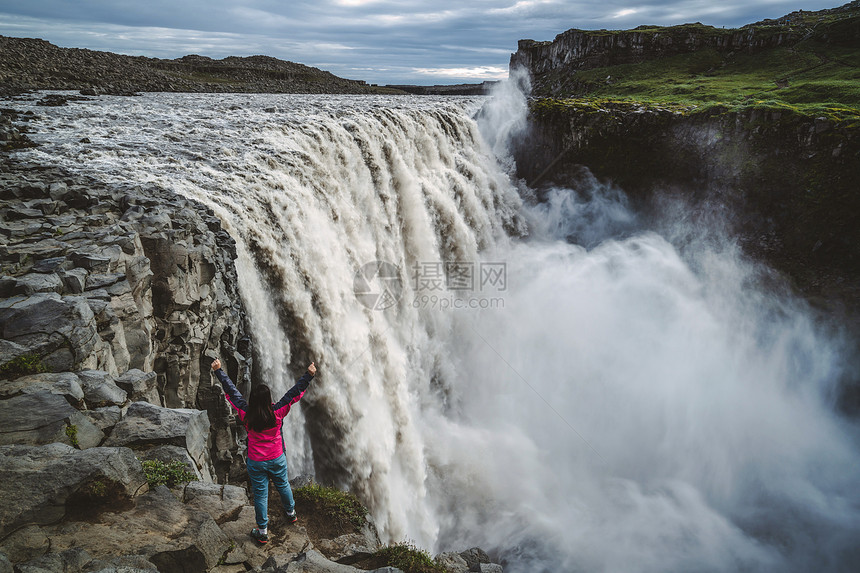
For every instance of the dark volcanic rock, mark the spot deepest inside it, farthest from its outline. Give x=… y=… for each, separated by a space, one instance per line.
x=31 y=64
x=44 y=418
x=36 y=483
x=139 y=293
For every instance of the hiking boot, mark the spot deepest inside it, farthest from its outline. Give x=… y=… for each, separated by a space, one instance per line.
x=261 y=538
x=292 y=517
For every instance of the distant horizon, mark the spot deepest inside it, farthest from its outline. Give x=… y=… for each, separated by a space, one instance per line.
x=380 y=42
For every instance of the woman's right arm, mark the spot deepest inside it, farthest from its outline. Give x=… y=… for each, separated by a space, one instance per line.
x=230 y=391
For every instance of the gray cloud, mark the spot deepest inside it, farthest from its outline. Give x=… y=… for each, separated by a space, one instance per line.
x=380 y=41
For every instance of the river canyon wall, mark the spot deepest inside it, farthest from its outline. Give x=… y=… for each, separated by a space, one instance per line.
x=789 y=180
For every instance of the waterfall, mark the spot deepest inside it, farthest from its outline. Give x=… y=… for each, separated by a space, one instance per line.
x=552 y=381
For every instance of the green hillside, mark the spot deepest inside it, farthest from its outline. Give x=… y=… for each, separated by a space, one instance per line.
x=819 y=73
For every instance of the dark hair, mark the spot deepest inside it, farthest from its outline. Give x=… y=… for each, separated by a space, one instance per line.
x=260 y=415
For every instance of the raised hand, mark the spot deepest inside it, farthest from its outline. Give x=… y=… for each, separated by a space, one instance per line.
x=312 y=369
x=216 y=365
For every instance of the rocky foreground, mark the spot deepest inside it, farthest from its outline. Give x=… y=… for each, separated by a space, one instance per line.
x=113 y=301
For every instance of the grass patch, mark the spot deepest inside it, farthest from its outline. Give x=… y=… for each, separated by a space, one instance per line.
x=22 y=365
x=339 y=507
x=406 y=557
x=72 y=433
x=809 y=76
x=169 y=473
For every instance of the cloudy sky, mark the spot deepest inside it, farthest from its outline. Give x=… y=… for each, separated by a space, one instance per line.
x=380 y=41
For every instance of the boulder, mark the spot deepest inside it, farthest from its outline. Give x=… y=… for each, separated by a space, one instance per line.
x=100 y=389
x=167 y=453
x=474 y=557
x=313 y=561
x=146 y=424
x=103 y=280
x=40 y=484
x=69 y=561
x=348 y=545
x=140 y=386
x=174 y=537
x=62 y=383
x=62 y=330
x=28 y=542
x=95 y=263
x=452 y=562
x=10 y=351
x=74 y=280
x=44 y=418
x=104 y=418
x=222 y=502
x=122 y=564
x=49 y=265
x=5 y=564
x=33 y=283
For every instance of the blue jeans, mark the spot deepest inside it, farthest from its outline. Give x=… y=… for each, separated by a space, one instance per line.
x=260 y=472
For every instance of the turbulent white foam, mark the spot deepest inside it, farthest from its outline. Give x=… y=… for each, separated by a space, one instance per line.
x=635 y=405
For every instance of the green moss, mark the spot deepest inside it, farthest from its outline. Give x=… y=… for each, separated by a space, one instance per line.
x=72 y=433
x=169 y=474
x=97 y=489
x=226 y=553
x=339 y=506
x=22 y=365
x=408 y=558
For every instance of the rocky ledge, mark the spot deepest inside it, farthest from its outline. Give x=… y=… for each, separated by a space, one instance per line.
x=92 y=510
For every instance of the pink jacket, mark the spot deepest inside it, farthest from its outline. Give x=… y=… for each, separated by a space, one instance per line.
x=268 y=444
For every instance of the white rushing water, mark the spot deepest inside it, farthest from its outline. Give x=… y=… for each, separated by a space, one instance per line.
x=607 y=398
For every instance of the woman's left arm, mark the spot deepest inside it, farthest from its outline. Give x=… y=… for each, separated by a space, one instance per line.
x=295 y=393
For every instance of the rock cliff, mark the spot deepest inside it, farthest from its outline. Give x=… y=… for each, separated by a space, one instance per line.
x=788 y=179
x=784 y=183
x=553 y=65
